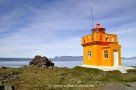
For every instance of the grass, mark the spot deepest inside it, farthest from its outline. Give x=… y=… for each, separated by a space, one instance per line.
x=33 y=78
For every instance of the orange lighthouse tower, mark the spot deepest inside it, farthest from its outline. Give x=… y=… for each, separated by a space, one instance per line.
x=101 y=49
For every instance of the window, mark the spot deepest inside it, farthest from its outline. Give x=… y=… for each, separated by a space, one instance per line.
x=84 y=40
x=105 y=53
x=106 y=37
x=112 y=39
x=89 y=54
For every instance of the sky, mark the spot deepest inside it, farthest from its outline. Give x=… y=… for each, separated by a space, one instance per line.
x=54 y=27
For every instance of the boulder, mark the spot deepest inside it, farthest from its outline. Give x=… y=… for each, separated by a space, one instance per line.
x=7 y=88
x=10 y=78
x=41 y=61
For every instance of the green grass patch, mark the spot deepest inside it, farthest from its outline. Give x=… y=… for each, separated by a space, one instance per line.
x=32 y=78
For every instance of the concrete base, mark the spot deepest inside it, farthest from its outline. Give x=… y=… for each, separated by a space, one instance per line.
x=109 y=68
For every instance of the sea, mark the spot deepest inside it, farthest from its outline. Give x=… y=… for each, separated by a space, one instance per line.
x=19 y=62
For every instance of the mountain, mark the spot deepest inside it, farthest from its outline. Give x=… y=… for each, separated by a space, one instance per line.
x=80 y=58
x=129 y=58
x=67 y=58
x=59 y=58
x=15 y=59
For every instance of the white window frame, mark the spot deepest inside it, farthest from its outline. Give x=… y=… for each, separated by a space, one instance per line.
x=105 y=54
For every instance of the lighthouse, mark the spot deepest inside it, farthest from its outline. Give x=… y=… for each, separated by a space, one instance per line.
x=101 y=49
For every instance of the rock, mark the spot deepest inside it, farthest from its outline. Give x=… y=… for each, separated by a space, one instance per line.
x=10 y=78
x=7 y=88
x=1 y=87
x=24 y=66
x=41 y=61
x=79 y=82
x=4 y=67
x=132 y=84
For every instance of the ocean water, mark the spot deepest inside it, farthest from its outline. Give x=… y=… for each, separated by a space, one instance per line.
x=18 y=62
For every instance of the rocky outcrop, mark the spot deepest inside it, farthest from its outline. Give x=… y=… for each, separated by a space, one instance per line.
x=41 y=61
x=7 y=88
x=10 y=78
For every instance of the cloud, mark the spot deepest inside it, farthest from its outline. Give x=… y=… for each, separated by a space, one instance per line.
x=54 y=28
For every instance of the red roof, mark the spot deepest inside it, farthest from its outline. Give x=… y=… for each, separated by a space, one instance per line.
x=98 y=26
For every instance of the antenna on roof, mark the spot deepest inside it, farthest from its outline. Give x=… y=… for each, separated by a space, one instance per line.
x=92 y=14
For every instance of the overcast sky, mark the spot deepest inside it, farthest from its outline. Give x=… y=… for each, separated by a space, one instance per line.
x=54 y=27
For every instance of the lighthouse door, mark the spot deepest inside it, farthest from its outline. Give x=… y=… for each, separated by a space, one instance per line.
x=115 y=57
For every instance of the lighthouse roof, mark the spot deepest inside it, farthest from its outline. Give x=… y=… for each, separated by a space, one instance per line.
x=98 y=28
